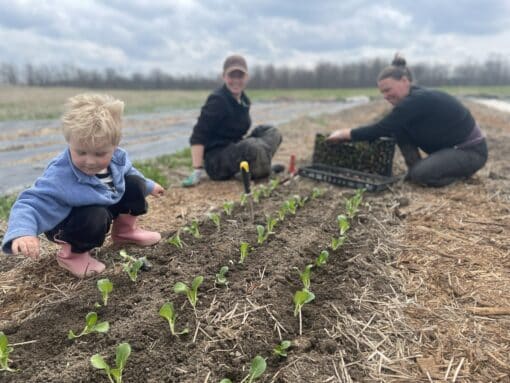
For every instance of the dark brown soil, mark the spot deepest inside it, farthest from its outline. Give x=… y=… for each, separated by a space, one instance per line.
x=392 y=304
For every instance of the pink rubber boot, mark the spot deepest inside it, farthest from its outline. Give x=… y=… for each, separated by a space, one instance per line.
x=125 y=231
x=79 y=264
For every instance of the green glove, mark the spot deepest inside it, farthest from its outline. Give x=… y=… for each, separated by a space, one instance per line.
x=193 y=179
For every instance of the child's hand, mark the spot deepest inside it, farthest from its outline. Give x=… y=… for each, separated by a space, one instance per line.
x=158 y=190
x=27 y=245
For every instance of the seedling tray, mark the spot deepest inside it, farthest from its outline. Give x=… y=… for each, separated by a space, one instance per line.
x=347 y=177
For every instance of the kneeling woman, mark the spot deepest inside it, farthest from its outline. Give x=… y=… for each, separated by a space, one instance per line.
x=425 y=119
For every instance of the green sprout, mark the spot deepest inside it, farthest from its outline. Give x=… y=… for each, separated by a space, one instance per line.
x=281 y=212
x=273 y=184
x=244 y=199
x=291 y=206
x=191 y=293
x=343 y=224
x=281 y=349
x=337 y=242
x=244 y=249
x=266 y=191
x=257 y=368
x=225 y=380
x=270 y=224
x=176 y=240
x=256 y=195
x=228 y=207
x=105 y=287
x=322 y=258
x=301 y=297
x=300 y=200
x=91 y=325
x=132 y=265
x=352 y=204
x=215 y=217
x=167 y=311
x=193 y=229
x=5 y=350
x=305 y=276
x=121 y=355
x=221 y=278
x=261 y=234
x=317 y=192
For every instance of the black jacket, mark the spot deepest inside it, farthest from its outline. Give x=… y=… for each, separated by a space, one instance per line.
x=223 y=120
x=432 y=120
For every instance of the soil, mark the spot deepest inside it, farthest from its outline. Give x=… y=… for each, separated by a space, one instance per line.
x=397 y=302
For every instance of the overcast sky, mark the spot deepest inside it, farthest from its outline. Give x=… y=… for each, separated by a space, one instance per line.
x=194 y=36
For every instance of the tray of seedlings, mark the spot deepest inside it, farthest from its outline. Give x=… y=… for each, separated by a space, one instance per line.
x=361 y=164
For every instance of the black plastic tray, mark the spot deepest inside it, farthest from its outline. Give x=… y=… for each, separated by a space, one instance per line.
x=347 y=177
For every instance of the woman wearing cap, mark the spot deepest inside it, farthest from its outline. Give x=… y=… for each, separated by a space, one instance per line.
x=430 y=120
x=217 y=142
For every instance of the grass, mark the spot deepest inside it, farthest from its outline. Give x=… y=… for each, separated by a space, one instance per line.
x=155 y=169
x=24 y=103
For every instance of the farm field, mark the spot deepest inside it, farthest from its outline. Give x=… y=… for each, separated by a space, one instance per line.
x=417 y=293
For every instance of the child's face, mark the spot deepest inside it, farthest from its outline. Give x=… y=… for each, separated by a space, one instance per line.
x=90 y=159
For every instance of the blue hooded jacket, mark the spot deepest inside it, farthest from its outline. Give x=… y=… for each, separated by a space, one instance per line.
x=62 y=187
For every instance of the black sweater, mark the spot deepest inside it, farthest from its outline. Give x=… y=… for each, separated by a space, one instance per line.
x=432 y=120
x=223 y=120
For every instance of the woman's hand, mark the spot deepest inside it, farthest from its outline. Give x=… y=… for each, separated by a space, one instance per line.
x=340 y=135
x=28 y=246
x=158 y=190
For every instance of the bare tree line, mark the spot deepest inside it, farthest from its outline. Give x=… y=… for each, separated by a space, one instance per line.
x=494 y=71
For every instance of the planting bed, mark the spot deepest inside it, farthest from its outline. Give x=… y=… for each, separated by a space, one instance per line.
x=394 y=303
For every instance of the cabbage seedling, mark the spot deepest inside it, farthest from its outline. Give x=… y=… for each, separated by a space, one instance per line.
x=191 y=293
x=257 y=368
x=270 y=224
x=105 y=287
x=300 y=201
x=305 y=276
x=244 y=199
x=132 y=265
x=221 y=278
x=281 y=349
x=91 y=325
x=215 y=217
x=228 y=207
x=176 y=240
x=244 y=249
x=343 y=224
x=290 y=205
x=322 y=258
x=225 y=380
x=337 y=242
x=301 y=297
x=273 y=184
x=5 y=350
x=281 y=213
x=261 y=234
x=193 y=229
x=167 y=311
x=256 y=195
x=352 y=204
x=266 y=191
x=121 y=356
x=317 y=192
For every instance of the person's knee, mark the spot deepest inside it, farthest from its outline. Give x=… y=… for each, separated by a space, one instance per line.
x=424 y=176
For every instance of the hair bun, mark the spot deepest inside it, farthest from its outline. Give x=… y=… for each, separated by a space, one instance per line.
x=399 y=61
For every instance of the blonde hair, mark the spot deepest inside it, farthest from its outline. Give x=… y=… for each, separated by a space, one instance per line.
x=93 y=119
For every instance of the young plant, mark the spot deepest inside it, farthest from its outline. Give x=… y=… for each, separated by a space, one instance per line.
x=266 y=192
x=193 y=229
x=299 y=200
x=105 y=287
x=281 y=349
x=291 y=206
x=322 y=258
x=352 y=204
x=261 y=234
x=221 y=278
x=191 y=293
x=305 y=276
x=301 y=297
x=228 y=207
x=121 y=356
x=176 y=240
x=215 y=217
x=257 y=368
x=256 y=195
x=343 y=224
x=225 y=380
x=337 y=242
x=244 y=199
x=281 y=212
x=5 y=350
x=91 y=325
x=270 y=224
x=132 y=265
x=273 y=184
x=167 y=311
x=317 y=192
x=244 y=249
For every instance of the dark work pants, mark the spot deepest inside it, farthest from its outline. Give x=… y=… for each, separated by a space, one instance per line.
x=258 y=149
x=86 y=226
x=444 y=166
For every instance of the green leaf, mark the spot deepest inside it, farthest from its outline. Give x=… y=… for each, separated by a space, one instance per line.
x=258 y=367
x=91 y=319
x=181 y=287
x=98 y=362
x=167 y=311
x=197 y=282
x=225 y=380
x=122 y=354
x=105 y=285
x=102 y=327
x=3 y=342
